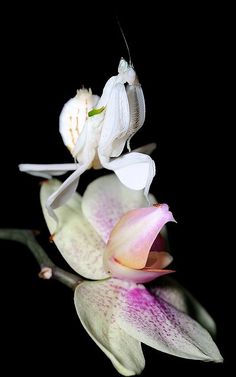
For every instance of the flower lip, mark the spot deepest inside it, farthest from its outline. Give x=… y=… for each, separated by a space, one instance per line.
x=158 y=260
x=128 y=252
x=133 y=275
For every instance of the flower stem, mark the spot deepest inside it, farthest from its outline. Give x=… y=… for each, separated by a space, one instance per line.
x=47 y=267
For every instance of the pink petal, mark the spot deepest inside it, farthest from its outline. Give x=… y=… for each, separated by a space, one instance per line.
x=131 y=239
x=175 y=294
x=106 y=200
x=160 y=243
x=158 y=324
x=129 y=274
x=158 y=260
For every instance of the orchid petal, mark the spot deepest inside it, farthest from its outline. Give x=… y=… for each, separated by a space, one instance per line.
x=46 y=170
x=96 y=304
x=158 y=260
x=158 y=324
x=132 y=237
x=172 y=292
x=77 y=241
x=134 y=170
x=161 y=241
x=106 y=200
x=122 y=272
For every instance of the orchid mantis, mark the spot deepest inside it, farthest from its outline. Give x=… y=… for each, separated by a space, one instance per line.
x=95 y=130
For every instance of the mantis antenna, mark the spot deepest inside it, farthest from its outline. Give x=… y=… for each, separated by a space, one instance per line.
x=125 y=40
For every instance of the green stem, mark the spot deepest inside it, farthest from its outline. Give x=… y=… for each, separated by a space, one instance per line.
x=27 y=238
x=66 y=278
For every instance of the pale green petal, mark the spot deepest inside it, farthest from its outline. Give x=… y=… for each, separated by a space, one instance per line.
x=173 y=293
x=77 y=241
x=106 y=200
x=97 y=305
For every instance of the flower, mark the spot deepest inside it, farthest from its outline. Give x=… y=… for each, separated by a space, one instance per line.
x=127 y=255
x=95 y=130
x=118 y=312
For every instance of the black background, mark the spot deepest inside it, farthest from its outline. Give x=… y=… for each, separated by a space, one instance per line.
x=181 y=56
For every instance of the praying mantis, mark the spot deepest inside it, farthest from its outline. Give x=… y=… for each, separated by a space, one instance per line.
x=96 y=130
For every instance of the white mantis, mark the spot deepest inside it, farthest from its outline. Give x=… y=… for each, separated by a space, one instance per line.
x=96 y=130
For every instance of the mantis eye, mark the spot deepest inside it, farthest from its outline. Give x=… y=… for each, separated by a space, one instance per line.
x=123 y=66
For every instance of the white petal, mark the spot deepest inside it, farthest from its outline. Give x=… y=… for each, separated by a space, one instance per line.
x=106 y=200
x=158 y=324
x=77 y=241
x=97 y=307
x=173 y=293
x=46 y=170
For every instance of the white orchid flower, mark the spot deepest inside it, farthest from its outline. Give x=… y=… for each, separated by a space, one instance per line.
x=106 y=237
x=95 y=130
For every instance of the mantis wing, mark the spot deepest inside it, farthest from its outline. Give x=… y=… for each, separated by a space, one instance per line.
x=137 y=110
x=115 y=123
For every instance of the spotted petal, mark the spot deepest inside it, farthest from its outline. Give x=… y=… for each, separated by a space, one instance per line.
x=77 y=241
x=160 y=325
x=175 y=294
x=106 y=200
x=97 y=307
